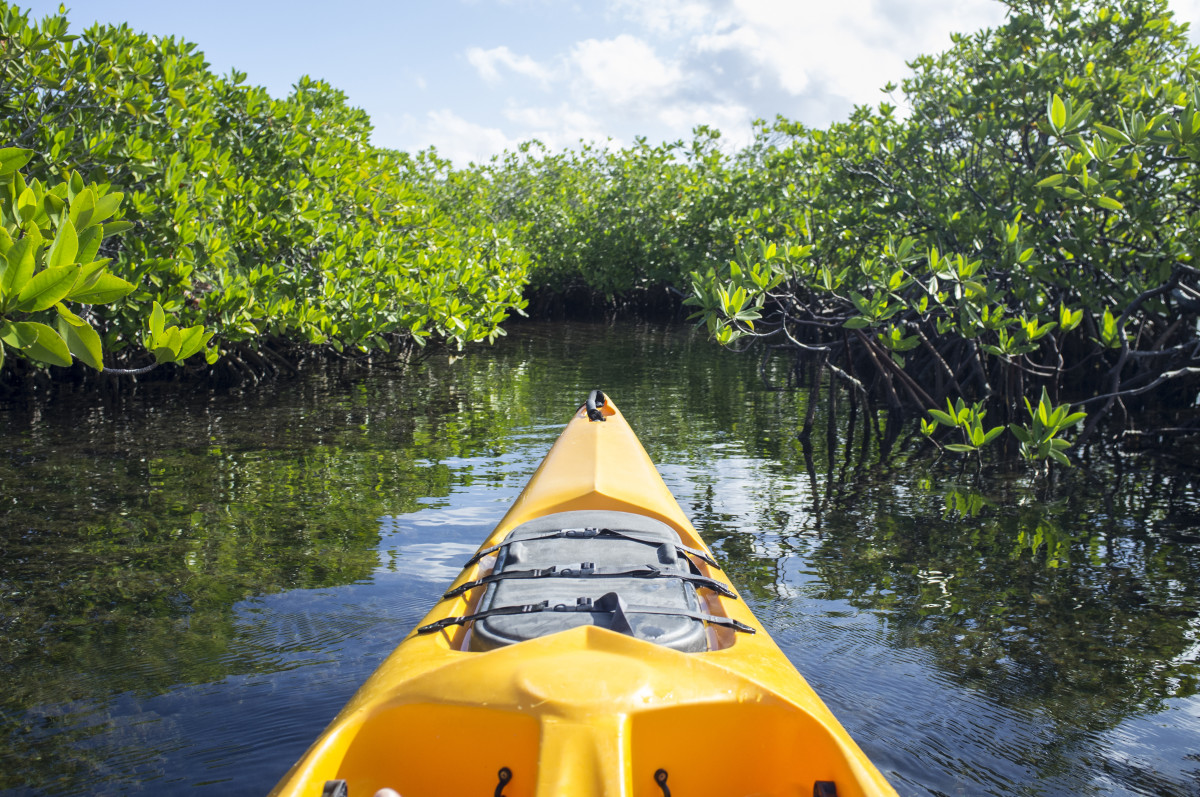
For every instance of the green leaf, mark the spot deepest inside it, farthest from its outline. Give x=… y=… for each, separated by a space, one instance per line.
x=20 y=267
x=18 y=334
x=83 y=341
x=47 y=288
x=194 y=339
x=992 y=435
x=53 y=206
x=117 y=227
x=67 y=315
x=1052 y=180
x=857 y=322
x=107 y=288
x=1057 y=113
x=166 y=348
x=89 y=243
x=65 y=247
x=89 y=273
x=13 y=158
x=105 y=207
x=960 y=448
x=81 y=208
x=157 y=319
x=1112 y=134
x=1059 y=457
x=163 y=354
x=1108 y=203
x=27 y=205
x=944 y=418
x=49 y=347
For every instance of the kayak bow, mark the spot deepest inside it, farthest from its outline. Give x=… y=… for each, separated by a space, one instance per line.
x=592 y=647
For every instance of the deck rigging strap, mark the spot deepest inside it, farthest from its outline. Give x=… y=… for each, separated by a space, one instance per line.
x=608 y=603
x=588 y=570
x=589 y=534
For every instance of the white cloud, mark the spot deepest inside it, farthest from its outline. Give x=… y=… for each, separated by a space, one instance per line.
x=558 y=127
x=683 y=63
x=1188 y=11
x=624 y=70
x=458 y=139
x=486 y=62
x=732 y=119
x=826 y=53
x=849 y=49
x=669 y=17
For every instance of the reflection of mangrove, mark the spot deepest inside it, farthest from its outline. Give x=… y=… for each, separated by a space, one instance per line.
x=1045 y=599
x=127 y=546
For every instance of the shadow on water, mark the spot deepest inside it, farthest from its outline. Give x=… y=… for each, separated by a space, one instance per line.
x=193 y=585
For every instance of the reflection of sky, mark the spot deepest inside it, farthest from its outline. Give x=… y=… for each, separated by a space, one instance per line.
x=1161 y=750
x=741 y=495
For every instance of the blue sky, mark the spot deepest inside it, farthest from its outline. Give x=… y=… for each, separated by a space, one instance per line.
x=473 y=77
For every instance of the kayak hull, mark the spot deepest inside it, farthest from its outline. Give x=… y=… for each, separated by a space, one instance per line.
x=588 y=711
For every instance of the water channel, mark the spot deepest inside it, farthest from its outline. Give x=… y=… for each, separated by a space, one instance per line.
x=191 y=585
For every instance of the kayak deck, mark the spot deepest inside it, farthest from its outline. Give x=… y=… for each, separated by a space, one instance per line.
x=639 y=672
x=592 y=712
x=616 y=570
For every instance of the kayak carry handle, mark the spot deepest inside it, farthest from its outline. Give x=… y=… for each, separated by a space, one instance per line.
x=505 y=775
x=595 y=401
x=660 y=777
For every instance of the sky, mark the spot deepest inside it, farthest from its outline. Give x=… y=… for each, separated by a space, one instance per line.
x=475 y=77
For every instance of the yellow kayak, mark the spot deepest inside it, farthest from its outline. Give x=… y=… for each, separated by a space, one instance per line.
x=591 y=647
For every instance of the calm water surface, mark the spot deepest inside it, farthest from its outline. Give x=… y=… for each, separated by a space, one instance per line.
x=191 y=586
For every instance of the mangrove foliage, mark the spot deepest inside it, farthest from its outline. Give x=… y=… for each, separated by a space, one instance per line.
x=1020 y=238
x=269 y=223
x=1003 y=248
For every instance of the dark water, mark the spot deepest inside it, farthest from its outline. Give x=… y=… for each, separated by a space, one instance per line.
x=191 y=586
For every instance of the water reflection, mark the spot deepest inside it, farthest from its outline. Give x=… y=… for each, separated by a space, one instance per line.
x=191 y=587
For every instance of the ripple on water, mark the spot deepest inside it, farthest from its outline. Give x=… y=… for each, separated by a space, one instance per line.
x=437 y=562
x=296 y=659
x=927 y=734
